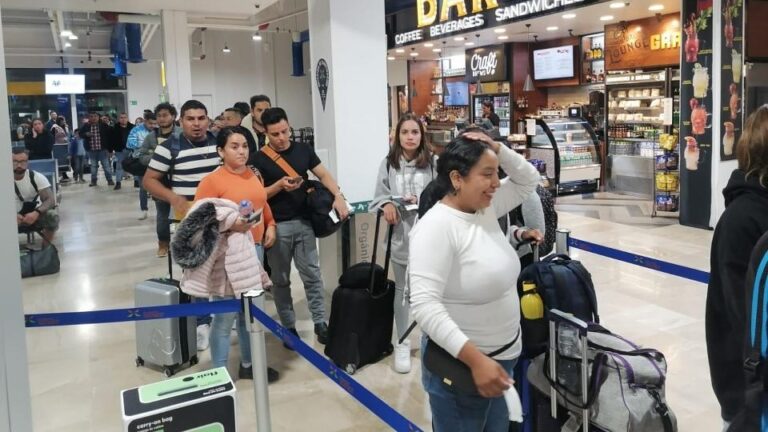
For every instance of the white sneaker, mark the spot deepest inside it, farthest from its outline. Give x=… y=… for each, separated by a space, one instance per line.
x=144 y=215
x=403 y=357
x=203 y=331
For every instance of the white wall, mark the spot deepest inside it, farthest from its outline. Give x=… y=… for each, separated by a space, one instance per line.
x=397 y=73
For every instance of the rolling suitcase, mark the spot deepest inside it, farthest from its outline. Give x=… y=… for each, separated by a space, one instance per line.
x=362 y=312
x=166 y=343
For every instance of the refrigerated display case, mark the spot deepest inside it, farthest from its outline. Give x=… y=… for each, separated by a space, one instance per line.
x=501 y=105
x=570 y=150
x=637 y=117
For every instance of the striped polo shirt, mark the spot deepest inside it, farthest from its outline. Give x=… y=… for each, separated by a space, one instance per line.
x=194 y=161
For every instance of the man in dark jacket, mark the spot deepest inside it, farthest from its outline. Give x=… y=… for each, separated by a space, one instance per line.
x=742 y=224
x=119 y=138
x=96 y=141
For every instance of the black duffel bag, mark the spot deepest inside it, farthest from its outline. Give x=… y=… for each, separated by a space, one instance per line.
x=39 y=262
x=320 y=205
x=133 y=166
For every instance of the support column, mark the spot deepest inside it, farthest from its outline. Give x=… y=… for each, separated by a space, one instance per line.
x=178 y=71
x=15 y=406
x=347 y=42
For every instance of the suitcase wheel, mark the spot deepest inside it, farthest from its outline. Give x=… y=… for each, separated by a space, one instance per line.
x=169 y=371
x=351 y=368
x=139 y=362
x=193 y=360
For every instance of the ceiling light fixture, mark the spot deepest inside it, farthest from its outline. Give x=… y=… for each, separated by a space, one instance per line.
x=67 y=45
x=257 y=37
x=399 y=50
x=528 y=85
x=606 y=18
x=73 y=37
x=428 y=45
x=656 y=7
x=226 y=49
x=458 y=38
x=569 y=16
x=617 y=5
x=437 y=50
x=469 y=43
x=66 y=33
x=390 y=58
x=552 y=28
x=500 y=30
x=503 y=37
x=414 y=53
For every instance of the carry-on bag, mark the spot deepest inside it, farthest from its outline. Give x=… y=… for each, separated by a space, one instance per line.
x=362 y=312
x=167 y=343
x=604 y=381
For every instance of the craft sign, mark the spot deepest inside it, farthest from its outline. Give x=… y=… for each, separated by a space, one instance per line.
x=486 y=64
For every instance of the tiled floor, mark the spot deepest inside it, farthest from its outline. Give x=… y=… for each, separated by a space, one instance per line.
x=624 y=209
x=77 y=373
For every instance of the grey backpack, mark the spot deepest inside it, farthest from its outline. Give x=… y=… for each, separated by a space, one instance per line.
x=625 y=386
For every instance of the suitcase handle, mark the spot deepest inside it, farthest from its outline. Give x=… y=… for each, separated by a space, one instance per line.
x=390 y=231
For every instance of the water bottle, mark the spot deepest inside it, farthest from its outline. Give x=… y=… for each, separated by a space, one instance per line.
x=246 y=208
x=530 y=303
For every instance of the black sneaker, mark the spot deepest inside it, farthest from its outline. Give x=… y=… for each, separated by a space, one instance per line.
x=295 y=333
x=118 y=186
x=321 y=330
x=247 y=373
x=110 y=183
x=92 y=184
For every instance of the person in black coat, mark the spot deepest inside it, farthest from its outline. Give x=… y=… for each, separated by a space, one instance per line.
x=742 y=224
x=39 y=141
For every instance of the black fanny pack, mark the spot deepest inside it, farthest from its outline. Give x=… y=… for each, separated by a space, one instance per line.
x=453 y=371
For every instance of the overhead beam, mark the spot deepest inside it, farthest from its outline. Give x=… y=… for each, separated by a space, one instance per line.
x=55 y=32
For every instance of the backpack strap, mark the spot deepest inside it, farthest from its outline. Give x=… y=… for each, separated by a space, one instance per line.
x=34 y=185
x=586 y=282
x=280 y=161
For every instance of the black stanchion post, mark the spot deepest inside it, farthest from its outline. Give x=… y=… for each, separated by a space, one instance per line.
x=562 y=239
x=259 y=359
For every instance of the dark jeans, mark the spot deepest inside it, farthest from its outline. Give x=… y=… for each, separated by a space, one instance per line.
x=163 y=222
x=78 y=163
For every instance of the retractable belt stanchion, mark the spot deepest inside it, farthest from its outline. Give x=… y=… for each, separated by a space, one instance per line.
x=259 y=359
x=562 y=239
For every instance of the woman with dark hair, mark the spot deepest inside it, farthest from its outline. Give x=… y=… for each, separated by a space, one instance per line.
x=742 y=224
x=39 y=141
x=489 y=112
x=235 y=182
x=403 y=174
x=463 y=274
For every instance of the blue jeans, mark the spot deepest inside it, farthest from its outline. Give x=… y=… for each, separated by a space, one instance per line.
x=96 y=157
x=296 y=241
x=162 y=218
x=456 y=411
x=119 y=156
x=221 y=327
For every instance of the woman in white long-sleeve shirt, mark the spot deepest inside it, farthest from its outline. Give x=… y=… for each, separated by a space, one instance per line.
x=463 y=275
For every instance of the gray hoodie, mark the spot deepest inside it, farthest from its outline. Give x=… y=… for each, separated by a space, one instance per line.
x=147 y=149
x=407 y=181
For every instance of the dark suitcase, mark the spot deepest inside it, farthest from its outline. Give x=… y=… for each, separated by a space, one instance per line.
x=362 y=312
x=166 y=343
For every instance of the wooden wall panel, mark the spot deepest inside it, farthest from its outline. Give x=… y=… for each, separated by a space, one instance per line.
x=757 y=17
x=422 y=72
x=520 y=67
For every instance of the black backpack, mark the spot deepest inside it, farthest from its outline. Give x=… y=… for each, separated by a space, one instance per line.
x=563 y=284
x=550 y=219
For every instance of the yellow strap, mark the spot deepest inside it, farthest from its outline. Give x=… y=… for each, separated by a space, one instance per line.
x=282 y=163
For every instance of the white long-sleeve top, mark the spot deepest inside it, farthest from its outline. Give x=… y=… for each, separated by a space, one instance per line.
x=463 y=271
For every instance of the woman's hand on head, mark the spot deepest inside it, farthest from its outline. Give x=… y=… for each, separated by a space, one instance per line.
x=479 y=136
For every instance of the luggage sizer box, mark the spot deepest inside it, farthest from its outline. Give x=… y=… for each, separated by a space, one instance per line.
x=200 y=402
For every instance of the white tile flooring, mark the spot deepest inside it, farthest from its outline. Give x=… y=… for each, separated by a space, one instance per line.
x=76 y=373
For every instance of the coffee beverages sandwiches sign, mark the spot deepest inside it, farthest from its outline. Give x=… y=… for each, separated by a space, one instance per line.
x=487 y=64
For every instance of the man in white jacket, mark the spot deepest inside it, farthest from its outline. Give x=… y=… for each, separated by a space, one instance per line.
x=252 y=121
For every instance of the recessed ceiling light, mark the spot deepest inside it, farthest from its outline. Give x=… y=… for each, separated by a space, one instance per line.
x=414 y=54
x=617 y=5
x=436 y=50
x=469 y=43
x=569 y=16
x=399 y=50
x=656 y=7
x=73 y=37
x=390 y=58
x=500 y=30
x=606 y=17
x=256 y=37
x=503 y=37
x=458 y=38
x=428 y=45
x=65 y=33
x=67 y=45
x=552 y=28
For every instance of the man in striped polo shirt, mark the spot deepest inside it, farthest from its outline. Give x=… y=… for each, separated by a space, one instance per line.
x=196 y=158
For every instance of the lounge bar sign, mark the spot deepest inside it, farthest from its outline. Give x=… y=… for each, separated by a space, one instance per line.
x=439 y=18
x=645 y=43
x=487 y=64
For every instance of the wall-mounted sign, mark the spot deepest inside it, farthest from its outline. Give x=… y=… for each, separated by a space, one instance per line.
x=64 y=84
x=438 y=18
x=644 y=43
x=487 y=64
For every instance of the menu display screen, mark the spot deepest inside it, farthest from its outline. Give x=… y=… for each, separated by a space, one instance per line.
x=458 y=94
x=553 y=63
